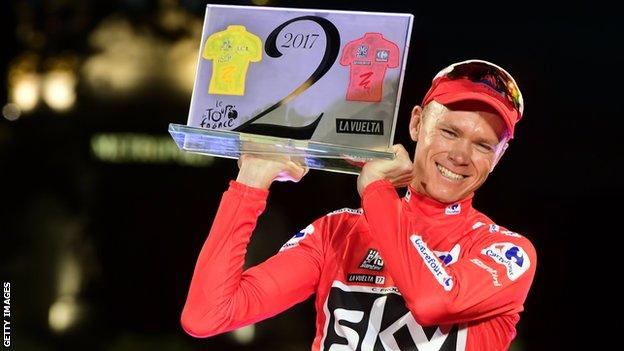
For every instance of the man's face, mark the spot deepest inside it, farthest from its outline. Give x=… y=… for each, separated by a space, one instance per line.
x=456 y=150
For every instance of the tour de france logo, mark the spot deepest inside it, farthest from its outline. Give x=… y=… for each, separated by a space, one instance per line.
x=220 y=116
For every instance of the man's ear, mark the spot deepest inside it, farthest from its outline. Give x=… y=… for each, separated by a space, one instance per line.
x=415 y=122
x=499 y=155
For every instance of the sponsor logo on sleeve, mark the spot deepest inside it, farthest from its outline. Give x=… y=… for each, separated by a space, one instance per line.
x=449 y=257
x=493 y=272
x=477 y=225
x=494 y=228
x=294 y=241
x=453 y=209
x=358 y=211
x=513 y=257
x=372 y=261
x=510 y=233
x=433 y=264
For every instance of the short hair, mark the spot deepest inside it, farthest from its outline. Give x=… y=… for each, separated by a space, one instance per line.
x=434 y=108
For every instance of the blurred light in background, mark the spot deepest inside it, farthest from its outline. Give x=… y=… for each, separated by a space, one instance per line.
x=11 y=111
x=25 y=90
x=125 y=60
x=171 y=17
x=244 y=335
x=24 y=82
x=63 y=313
x=182 y=54
x=183 y=64
x=143 y=148
x=131 y=58
x=260 y=2
x=59 y=89
x=69 y=276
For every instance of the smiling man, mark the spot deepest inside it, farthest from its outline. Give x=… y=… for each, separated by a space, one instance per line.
x=426 y=272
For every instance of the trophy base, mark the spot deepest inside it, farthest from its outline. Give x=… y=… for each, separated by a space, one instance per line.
x=315 y=155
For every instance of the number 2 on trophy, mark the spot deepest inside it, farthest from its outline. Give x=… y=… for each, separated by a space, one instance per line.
x=332 y=47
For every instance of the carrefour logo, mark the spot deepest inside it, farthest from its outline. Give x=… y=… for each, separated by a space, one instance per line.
x=432 y=262
x=513 y=257
x=453 y=209
x=294 y=241
x=449 y=257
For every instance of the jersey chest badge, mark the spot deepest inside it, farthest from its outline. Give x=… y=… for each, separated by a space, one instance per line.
x=372 y=261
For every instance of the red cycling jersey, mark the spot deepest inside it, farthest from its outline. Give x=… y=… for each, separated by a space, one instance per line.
x=398 y=274
x=369 y=57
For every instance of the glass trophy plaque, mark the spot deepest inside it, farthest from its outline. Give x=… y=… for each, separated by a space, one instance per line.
x=321 y=87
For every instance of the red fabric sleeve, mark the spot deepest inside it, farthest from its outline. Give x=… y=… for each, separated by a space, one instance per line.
x=394 y=55
x=222 y=296
x=437 y=295
x=347 y=54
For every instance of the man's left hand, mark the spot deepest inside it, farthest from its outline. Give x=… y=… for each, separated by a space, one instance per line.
x=399 y=171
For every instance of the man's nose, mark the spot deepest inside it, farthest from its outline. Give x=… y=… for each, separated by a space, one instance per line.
x=460 y=152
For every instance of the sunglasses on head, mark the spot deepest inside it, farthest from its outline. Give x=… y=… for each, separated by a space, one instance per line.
x=489 y=74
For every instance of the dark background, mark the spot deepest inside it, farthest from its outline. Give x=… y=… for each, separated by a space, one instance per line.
x=113 y=241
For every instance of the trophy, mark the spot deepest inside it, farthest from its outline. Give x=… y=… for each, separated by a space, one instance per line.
x=321 y=87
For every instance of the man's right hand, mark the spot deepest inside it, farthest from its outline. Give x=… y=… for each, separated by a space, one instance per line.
x=399 y=171
x=259 y=171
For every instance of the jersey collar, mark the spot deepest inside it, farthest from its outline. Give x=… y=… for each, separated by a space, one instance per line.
x=434 y=209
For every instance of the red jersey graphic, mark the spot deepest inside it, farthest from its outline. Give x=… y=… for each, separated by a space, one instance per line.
x=368 y=58
x=399 y=274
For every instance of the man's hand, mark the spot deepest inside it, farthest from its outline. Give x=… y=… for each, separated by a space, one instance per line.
x=399 y=171
x=260 y=171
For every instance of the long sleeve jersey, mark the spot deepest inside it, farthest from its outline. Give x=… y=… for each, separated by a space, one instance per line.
x=397 y=274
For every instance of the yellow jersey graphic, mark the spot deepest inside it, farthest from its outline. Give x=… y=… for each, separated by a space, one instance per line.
x=231 y=51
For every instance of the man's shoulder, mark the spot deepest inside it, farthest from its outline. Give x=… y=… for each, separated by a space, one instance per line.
x=344 y=220
x=484 y=227
x=496 y=245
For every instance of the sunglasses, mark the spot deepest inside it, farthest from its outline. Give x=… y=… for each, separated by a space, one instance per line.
x=489 y=74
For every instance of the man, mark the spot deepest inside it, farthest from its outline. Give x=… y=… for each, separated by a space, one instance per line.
x=426 y=272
